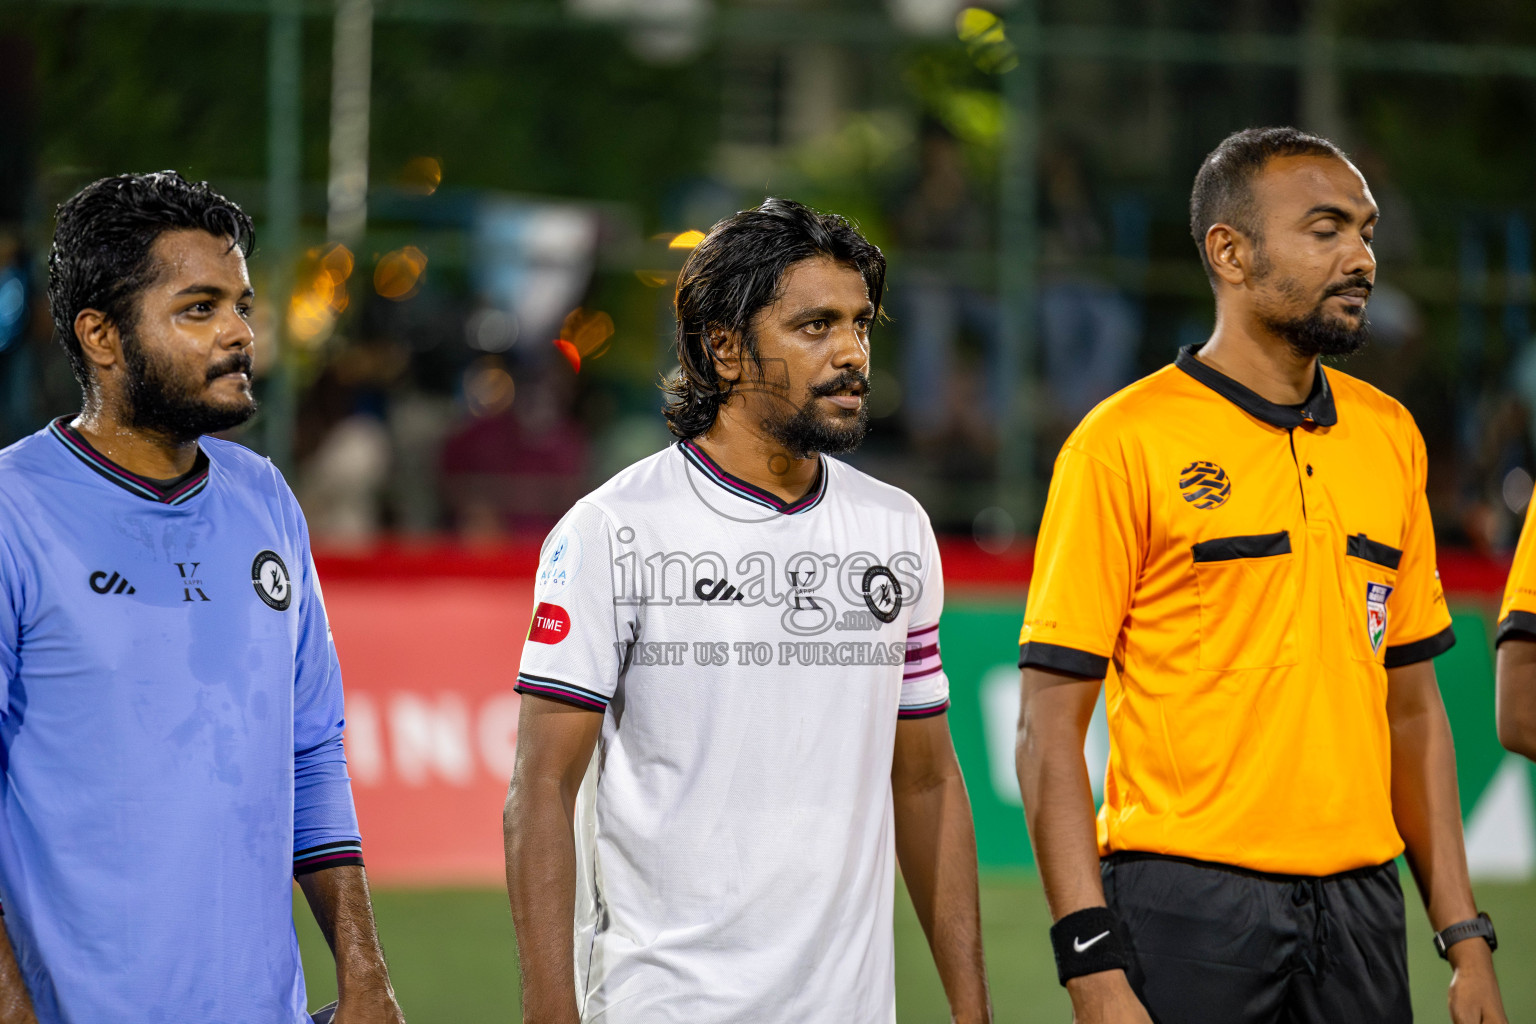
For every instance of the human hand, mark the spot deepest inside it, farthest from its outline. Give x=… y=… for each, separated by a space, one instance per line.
x=1474 y=996
x=1105 y=998
x=373 y=1004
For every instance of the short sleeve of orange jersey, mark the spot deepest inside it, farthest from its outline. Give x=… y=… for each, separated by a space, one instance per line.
x=1517 y=614
x=1087 y=558
x=1419 y=626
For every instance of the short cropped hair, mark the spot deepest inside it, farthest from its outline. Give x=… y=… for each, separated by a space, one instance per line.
x=1223 y=192
x=102 y=239
x=737 y=271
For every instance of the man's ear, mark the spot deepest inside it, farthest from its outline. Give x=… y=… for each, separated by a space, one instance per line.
x=100 y=340
x=725 y=349
x=1231 y=254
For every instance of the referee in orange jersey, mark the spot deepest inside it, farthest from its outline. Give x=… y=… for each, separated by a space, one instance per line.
x=1238 y=548
x=1516 y=641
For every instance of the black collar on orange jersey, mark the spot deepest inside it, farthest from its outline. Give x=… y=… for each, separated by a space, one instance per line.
x=1317 y=411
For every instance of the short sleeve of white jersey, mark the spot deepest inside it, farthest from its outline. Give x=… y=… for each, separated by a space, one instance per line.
x=924 y=686
x=581 y=631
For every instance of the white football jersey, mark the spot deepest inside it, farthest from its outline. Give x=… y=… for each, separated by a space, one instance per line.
x=751 y=657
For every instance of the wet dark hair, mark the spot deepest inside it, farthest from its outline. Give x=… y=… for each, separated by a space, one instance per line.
x=1223 y=191
x=733 y=274
x=102 y=240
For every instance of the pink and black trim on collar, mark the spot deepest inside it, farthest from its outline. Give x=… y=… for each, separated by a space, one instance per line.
x=176 y=492
x=739 y=487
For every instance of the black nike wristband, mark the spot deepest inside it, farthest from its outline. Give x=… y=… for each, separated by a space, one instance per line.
x=1087 y=942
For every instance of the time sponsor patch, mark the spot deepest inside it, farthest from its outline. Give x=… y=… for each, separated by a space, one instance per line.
x=1376 y=595
x=551 y=624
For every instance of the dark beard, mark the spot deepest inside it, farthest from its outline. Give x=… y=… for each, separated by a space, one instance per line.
x=161 y=403
x=808 y=430
x=1318 y=334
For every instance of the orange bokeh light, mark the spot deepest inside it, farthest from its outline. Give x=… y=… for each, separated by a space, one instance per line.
x=398 y=274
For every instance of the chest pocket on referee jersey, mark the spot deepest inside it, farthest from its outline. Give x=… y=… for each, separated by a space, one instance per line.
x=1370 y=576
x=1247 y=601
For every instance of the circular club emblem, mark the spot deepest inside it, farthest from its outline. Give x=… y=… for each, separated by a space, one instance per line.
x=1205 y=484
x=882 y=594
x=270 y=578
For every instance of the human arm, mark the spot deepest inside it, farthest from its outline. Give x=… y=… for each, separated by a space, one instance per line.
x=554 y=746
x=1054 y=711
x=936 y=847
x=15 y=1001
x=339 y=899
x=1427 y=810
x=1515 y=708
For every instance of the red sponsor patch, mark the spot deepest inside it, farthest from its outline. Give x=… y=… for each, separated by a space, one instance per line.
x=551 y=624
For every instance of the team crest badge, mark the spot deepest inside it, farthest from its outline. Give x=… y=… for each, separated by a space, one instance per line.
x=270 y=578
x=1205 y=484
x=882 y=594
x=1376 y=595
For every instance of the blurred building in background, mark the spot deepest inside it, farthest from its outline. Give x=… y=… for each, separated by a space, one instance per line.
x=471 y=217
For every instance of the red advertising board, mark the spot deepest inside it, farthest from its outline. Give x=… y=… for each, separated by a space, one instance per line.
x=430 y=639
x=429 y=665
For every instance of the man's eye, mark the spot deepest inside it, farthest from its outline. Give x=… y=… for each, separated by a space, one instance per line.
x=1325 y=234
x=817 y=325
x=243 y=311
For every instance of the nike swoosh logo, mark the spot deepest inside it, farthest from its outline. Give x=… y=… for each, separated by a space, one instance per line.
x=1078 y=945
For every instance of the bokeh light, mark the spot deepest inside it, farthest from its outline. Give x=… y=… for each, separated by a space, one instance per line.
x=584 y=335
x=398 y=274
x=421 y=175
x=320 y=294
x=488 y=387
x=686 y=240
x=985 y=40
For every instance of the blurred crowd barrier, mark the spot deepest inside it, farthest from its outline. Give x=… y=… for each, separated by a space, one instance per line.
x=430 y=638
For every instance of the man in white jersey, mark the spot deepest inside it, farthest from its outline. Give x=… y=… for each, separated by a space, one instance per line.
x=755 y=626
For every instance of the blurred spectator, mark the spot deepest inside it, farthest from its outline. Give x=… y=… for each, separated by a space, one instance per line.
x=520 y=460
x=940 y=226
x=345 y=446
x=1089 y=330
x=344 y=482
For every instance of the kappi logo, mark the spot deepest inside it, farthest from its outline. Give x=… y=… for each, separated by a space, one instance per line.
x=190 y=582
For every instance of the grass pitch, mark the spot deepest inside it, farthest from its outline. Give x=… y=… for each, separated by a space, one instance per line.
x=451 y=954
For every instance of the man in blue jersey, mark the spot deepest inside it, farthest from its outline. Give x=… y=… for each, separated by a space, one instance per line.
x=171 y=730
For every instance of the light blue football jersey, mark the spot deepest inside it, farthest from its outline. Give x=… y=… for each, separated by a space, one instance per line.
x=170 y=737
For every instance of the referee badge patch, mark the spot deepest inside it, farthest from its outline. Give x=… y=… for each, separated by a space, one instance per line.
x=1205 y=484
x=1376 y=595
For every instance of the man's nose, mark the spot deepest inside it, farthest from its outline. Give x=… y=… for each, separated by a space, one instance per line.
x=237 y=332
x=1360 y=261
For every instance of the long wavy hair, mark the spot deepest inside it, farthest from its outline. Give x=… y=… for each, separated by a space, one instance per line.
x=736 y=272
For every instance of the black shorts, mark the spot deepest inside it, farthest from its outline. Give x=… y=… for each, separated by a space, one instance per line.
x=1212 y=944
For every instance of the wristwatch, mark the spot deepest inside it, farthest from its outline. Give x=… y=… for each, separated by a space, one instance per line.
x=1479 y=927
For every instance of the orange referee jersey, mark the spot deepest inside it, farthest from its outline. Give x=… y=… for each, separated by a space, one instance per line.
x=1242 y=574
x=1517 y=613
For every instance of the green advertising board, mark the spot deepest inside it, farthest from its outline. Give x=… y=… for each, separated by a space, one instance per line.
x=980 y=658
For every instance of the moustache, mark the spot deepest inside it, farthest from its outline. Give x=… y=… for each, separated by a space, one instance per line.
x=848 y=380
x=1349 y=284
x=237 y=363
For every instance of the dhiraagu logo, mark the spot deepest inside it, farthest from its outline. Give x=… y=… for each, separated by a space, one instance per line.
x=1000 y=719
